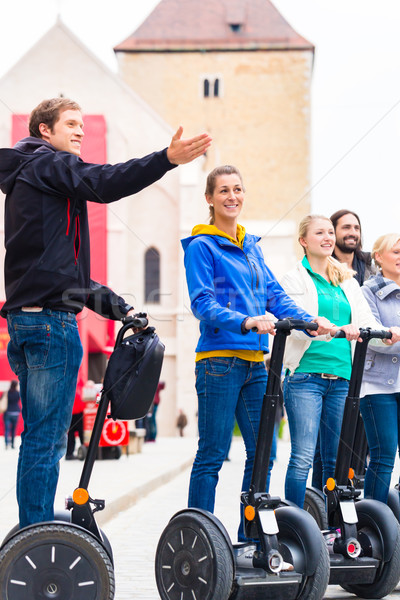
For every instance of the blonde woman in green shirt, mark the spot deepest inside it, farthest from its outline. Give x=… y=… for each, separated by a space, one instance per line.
x=318 y=373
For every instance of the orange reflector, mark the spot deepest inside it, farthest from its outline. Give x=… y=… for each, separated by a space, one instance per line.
x=80 y=496
x=330 y=484
x=351 y=473
x=249 y=513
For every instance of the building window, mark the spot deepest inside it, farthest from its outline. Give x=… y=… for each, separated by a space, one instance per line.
x=152 y=276
x=211 y=86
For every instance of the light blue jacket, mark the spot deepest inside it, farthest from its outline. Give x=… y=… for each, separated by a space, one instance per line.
x=382 y=362
x=226 y=285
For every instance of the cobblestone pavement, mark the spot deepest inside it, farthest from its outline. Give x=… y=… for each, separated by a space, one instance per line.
x=139 y=504
x=135 y=532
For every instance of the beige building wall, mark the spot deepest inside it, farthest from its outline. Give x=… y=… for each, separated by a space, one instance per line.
x=159 y=216
x=60 y=63
x=260 y=122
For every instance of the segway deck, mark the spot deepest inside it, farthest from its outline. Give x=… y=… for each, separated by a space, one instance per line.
x=250 y=585
x=343 y=570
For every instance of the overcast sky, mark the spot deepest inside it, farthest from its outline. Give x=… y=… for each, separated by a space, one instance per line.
x=355 y=90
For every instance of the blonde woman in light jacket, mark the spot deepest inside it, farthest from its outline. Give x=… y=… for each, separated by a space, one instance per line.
x=317 y=374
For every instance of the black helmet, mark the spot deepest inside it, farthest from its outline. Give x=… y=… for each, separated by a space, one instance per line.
x=133 y=373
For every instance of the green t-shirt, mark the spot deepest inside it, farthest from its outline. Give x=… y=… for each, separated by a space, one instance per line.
x=332 y=357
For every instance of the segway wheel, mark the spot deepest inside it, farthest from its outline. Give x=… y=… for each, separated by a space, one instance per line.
x=388 y=575
x=302 y=545
x=315 y=505
x=393 y=502
x=193 y=560
x=55 y=561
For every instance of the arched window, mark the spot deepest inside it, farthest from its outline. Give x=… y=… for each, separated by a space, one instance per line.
x=152 y=276
x=206 y=85
x=216 y=88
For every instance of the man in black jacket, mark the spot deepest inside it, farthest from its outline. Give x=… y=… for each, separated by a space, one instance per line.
x=47 y=276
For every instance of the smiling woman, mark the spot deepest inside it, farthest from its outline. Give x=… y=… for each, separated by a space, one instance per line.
x=380 y=391
x=317 y=373
x=230 y=290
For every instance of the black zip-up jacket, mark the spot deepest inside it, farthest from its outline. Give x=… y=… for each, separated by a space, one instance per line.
x=47 y=260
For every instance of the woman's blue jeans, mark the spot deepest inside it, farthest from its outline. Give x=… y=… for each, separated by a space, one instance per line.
x=381 y=416
x=312 y=404
x=45 y=352
x=226 y=387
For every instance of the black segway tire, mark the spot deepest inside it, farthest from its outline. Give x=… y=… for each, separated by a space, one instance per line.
x=393 y=502
x=301 y=544
x=193 y=559
x=55 y=561
x=388 y=574
x=314 y=504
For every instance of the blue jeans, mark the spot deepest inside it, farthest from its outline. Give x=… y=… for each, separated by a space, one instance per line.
x=45 y=352
x=226 y=387
x=381 y=415
x=312 y=404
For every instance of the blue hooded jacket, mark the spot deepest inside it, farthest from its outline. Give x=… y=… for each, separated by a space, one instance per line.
x=226 y=285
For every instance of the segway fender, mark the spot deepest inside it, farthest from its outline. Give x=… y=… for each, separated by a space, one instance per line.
x=60 y=518
x=381 y=518
x=319 y=492
x=393 y=502
x=300 y=522
x=214 y=520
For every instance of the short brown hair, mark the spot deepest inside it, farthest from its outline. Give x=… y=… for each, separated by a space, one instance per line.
x=48 y=112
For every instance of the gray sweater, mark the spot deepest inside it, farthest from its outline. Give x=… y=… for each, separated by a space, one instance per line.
x=381 y=372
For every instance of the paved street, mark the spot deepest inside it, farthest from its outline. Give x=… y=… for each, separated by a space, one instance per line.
x=142 y=492
x=135 y=532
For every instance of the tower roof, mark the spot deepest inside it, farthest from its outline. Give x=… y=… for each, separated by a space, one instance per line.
x=194 y=25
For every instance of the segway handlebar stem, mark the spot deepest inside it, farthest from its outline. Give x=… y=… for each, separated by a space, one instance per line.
x=352 y=404
x=138 y=321
x=271 y=400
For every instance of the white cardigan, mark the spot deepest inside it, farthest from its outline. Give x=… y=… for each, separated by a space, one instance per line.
x=299 y=285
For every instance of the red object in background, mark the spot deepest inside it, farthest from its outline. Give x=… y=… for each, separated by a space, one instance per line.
x=115 y=433
x=6 y=374
x=97 y=333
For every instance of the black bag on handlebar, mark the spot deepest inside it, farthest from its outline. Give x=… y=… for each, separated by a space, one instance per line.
x=133 y=373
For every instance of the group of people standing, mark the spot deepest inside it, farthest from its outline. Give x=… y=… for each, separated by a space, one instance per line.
x=231 y=289
x=47 y=282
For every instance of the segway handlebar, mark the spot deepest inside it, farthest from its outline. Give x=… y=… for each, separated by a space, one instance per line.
x=368 y=334
x=290 y=324
x=138 y=321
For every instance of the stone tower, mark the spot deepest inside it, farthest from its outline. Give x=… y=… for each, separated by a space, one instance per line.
x=237 y=69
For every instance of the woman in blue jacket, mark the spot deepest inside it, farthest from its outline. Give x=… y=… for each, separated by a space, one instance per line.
x=230 y=289
x=380 y=391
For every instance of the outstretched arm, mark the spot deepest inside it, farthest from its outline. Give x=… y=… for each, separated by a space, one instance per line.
x=182 y=151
